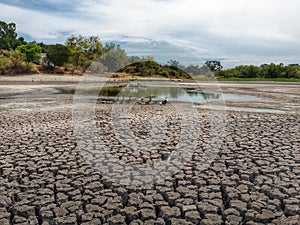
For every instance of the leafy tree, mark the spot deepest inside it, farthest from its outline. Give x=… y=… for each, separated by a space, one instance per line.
x=83 y=51
x=193 y=69
x=214 y=65
x=57 y=54
x=150 y=68
x=175 y=64
x=133 y=59
x=273 y=71
x=248 y=71
x=32 y=52
x=78 y=47
x=264 y=71
x=114 y=59
x=18 y=42
x=292 y=71
x=109 y=46
x=8 y=35
x=43 y=46
x=95 y=47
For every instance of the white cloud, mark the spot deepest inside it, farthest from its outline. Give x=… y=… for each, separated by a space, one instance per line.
x=267 y=19
x=41 y=26
x=214 y=25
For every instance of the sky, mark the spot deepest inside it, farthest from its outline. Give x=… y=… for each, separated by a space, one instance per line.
x=191 y=31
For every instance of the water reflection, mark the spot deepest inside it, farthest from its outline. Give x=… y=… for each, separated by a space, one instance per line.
x=157 y=93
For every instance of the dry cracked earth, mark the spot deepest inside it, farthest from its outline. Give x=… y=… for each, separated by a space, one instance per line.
x=47 y=178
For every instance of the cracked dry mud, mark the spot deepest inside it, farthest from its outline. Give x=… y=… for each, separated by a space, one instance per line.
x=45 y=179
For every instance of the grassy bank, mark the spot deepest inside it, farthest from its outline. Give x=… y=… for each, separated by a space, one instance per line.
x=249 y=79
x=260 y=79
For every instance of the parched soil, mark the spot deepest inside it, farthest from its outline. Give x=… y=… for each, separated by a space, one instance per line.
x=49 y=174
x=45 y=177
x=272 y=95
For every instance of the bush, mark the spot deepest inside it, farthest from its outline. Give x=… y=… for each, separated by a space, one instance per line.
x=14 y=63
x=32 y=52
x=57 y=54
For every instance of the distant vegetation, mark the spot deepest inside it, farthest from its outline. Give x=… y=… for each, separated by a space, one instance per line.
x=261 y=79
x=81 y=54
x=152 y=68
x=264 y=71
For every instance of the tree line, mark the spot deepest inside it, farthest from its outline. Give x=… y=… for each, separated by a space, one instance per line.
x=77 y=55
x=80 y=54
x=88 y=54
x=263 y=71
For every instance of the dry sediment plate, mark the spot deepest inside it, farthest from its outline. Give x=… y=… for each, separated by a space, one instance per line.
x=44 y=179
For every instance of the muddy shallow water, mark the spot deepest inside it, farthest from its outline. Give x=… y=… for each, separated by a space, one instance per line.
x=267 y=95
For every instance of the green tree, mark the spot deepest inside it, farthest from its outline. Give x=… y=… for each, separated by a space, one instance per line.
x=95 y=47
x=78 y=47
x=8 y=35
x=248 y=71
x=83 y=51
x=292 y=71
x=57 y=54
x=18 y=42
x=133 y=59
x=274 y=71
x=32 y=52
x=193 y=69
x=263 y=71
x=43 y=46
x=214 y=65
x=109 y=46
x=114 y=59
x=175 y=64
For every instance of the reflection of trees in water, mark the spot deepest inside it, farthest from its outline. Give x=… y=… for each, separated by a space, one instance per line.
x=212 y=96
x=171 y=92
x=138 y=92
x=206 y=96
x=110 y=91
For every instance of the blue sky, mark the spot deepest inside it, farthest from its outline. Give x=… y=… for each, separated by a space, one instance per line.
x=235 y=31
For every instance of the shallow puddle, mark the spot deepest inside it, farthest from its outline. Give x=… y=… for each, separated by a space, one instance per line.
x=157 y=92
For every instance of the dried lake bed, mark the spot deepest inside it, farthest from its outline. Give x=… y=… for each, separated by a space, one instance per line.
x=47 y=178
